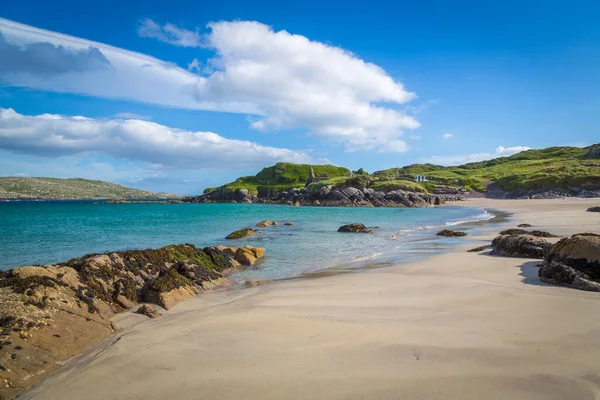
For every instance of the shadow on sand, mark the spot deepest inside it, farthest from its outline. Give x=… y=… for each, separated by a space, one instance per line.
x=529 y=272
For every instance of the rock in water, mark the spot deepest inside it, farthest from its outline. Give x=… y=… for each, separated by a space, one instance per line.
x=264 y=223
x=574 y=262
x=148 y=311
x=355 y=228
x=450 y=233
x=526 y=246
x=594 y=209
x=289 y=224
x=242 y=233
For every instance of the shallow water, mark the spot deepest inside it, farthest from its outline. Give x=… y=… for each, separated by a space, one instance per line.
x=41 y=232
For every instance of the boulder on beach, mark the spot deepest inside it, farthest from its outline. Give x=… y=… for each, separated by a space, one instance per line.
x=526 y=246
x=355 y=228
x=242 y=233
x=574 y=262
x=478 y=249
x=149 y=311
x=594 y=209
x=451 y=233
x=248 y=255
x=516 y=232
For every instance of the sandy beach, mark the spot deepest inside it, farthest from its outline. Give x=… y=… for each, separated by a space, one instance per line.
x=455 y=326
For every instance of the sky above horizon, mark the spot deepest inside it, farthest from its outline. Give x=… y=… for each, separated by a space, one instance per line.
x=187 y=95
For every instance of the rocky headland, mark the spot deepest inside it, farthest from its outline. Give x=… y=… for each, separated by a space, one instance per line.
x=50 y=313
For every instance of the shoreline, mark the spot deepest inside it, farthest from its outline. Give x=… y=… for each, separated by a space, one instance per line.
x=192 y=317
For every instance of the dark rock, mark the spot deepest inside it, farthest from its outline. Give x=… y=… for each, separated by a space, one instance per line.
x=524 y=226
x=525 y=246
x=355 y=228
x=574 y=262
x=288 y=223
x=242 y=233
x=450 y=233
x=478 y=249
x=594 y=209
x=516 y=232
x=148 y=311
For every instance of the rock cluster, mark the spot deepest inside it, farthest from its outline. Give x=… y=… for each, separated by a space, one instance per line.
x=330 y=196
x=450 y=233
x=574 y=262
x=524 y=245
x=516 y=232
x=355 y=228
x=50 y=313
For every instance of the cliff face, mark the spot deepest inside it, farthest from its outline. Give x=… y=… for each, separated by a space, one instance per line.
x=330 y=196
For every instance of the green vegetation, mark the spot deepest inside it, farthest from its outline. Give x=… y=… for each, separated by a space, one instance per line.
x=76 y=188
x=554 y=167
x=282 y=176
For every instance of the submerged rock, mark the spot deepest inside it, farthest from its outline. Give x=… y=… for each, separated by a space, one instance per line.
x=288 y=223
x=451 y=233
x=526 y=246
x=574 y=262
x=355 y=228
x=242 y=233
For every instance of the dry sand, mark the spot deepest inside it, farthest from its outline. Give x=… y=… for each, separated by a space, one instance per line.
x=455 y=326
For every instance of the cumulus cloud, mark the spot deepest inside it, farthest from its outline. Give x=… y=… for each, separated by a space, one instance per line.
x=282 y=80
x=47 y=59
x=501 y=151
x=133 y=139
x=448 y=136
x=169 y=33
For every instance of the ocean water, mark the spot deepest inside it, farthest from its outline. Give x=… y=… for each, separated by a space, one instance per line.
x=41 y=232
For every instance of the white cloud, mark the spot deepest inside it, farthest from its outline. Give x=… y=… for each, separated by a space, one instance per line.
x=131 y=139
x=127 y=115
x=501 y=151
x=170 y=34
x=283 y=81
x=448 y=136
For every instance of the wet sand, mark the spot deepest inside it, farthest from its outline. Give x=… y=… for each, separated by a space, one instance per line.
x=455 y=326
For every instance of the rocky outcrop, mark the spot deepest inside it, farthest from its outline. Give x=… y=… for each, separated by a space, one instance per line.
x=355 y=228
x=242 y=233
x=594 y=209
x=266 y=223
x=574 y=262
x=450 y=233
x=526 y=246
x=53 y=312
x=149 y=311
x=331 y=196
x=516 y=232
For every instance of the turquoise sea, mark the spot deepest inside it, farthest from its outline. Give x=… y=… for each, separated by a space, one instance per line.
x=41 y=232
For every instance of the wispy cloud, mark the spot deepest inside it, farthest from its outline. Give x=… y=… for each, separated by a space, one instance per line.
x=447 y=136
x=53 y=135
x=169 y=33
x=126 y=115
x=284 y=81
x=501 y=151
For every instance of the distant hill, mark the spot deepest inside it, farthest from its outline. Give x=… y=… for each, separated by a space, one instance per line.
x=550 y=168
x=75 y=188
x=531 y=170
x=283 y=176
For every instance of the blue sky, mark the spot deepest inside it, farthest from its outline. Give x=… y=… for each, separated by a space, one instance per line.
x=363 y=84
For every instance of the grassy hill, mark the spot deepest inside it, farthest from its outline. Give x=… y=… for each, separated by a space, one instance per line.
x=76 y=188
x=551 y=168
x=283 y=176
x=554 y=167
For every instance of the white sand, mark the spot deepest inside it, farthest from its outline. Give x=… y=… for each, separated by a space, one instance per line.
x=456 y=326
